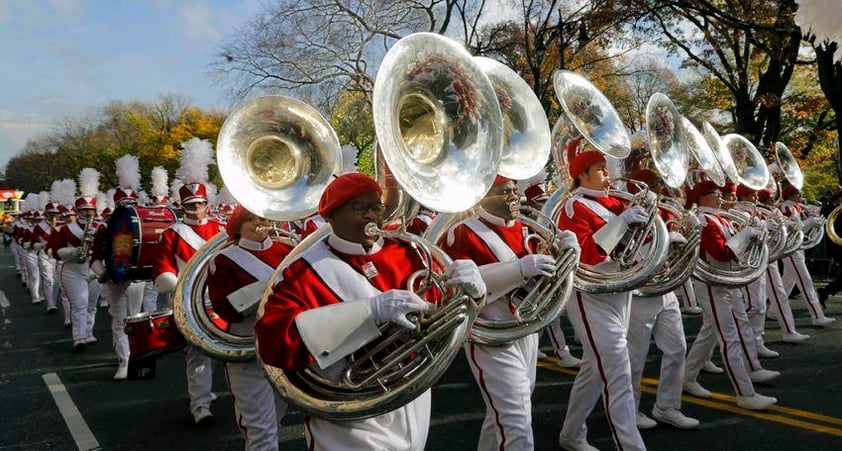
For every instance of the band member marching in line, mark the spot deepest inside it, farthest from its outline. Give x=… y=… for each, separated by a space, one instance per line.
x=720 y=246
x=71 y=244
x=237 y=278
x=33 y=273
x=659 y=316
x=68 y=215
x=40 y=237
x=536 y=194
x=795 y=265
x=178 y=244
x=600 y=320
x=352 y=282
x=159 y=192
x=124 y=298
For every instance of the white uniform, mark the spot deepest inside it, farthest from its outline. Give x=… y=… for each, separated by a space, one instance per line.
x=779 y=299
x=795 y=270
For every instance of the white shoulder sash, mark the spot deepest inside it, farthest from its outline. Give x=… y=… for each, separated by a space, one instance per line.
x=339 y=276
x=498 y=247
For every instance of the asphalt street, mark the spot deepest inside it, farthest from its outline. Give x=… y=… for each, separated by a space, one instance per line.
x=46 y=392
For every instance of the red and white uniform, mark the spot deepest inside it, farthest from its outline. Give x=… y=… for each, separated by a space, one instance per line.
x=178 y=244
x=333 y=271
x=795 y=268
x=312 y=224
x=32 y=267
x=505 y=374
x=81 y=291
x=419 y=224
x=602 y=323
x=236 y=269
x=718 y=320
x=46 y=264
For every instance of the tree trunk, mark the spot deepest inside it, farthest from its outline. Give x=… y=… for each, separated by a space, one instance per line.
x=830 y=78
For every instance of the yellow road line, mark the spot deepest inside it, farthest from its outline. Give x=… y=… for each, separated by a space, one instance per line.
x=649 y=385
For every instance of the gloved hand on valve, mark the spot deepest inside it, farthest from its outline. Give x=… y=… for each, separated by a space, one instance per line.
x=740 y=242
x=568 y=240
x=676 y=237
x=466 y=273
x=692 y=221
x=634 y=215
x=534 y=265
x=393 y=306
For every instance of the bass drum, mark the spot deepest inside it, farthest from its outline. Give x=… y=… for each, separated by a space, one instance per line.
x=131 y=241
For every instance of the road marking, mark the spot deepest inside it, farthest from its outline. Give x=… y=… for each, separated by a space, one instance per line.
x=4 y=301
x=649 y=385
x=80 y=431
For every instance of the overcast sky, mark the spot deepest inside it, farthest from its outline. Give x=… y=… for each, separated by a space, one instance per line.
x=63 y=58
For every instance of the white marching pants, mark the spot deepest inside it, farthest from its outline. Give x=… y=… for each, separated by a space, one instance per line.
x=558 y=339
x=745 y=333
x=124 y=300
x=688 y=294
x=659 y=316
x=74 y=280
x=506 y=378
x=94 y=291
x=779 y=299
x=33 y=274
x=718 y=327
x=199 y=370
x=150 y=297
x=755 y=297
x=795 y=273
x=47 y=270
x=258 y=408
x=601 y=321
x=403 y=429
x=20 y=261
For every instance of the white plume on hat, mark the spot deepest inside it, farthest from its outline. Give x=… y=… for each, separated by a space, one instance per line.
x=109 y=199
x=88 y=182
x=43 y=200
x=823 y=18
x=55 y=192
x=196 y=155
x=101 y=202
x=159 y=181
x=68 y=192
x=174 y=187
x=211 y=192
x=31 y=202
x=349 y=159
x=128 y=172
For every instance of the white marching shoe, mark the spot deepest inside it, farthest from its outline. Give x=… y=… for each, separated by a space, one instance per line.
x=795 y=337
x=201 y=414
x=674 y=417
x=696 y=389
x=541 y=355
x=763 y=375
x=710 y=367
x=823 y=321
x=644 y=422
x=766 y=353
x=122 y=373
x=573 y=445
x=568 y=361
x=756 y=402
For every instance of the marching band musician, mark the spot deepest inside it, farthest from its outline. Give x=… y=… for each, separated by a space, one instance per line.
x=795 y=266
x=178 y=244
x=659 y=316
x=33 y=216
x=123 y=298
x=720 y=246
x=741 y=304
x=68 y=215
x=159 y=191
x=778 y=298
x=68 y=244
x=238 y=275
x=359 y=278
x=495 y=240
x=599 y=221
x=42 y=232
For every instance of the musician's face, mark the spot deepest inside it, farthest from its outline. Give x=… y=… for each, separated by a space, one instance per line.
x=196 y=210
x=595 y=177
x=86 y=214
x=249 y=229
x=751 y=197
x=349 y=220
x=728 y=200
x=502 y=201
x=710 y=199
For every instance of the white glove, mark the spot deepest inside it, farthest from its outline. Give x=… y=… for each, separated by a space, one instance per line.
x=533 y=265
x=37 y=246
x=676 y=237
x=568 y=240
x=739 y=243
x=692 y=221
x=634 y=215
x=393 y=305
x=466 y=273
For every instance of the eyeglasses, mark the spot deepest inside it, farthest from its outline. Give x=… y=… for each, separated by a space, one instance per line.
x=362 y=208
x=194 y=205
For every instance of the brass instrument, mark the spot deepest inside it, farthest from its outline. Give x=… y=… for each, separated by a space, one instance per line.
x=83 y=252
x=590 y=118
x=443 y=147
x=787 y=167
x=830 y=226
x=281 y=234
x=276 y=155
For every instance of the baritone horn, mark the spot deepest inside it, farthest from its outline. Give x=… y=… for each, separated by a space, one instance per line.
x=276 y=156
x=439 y=127
x=830 y=226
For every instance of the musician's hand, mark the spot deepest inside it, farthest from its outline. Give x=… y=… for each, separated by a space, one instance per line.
x=634 y=215
x=393 y=305
x=568 y=240
x=465 y=273
x=534 y=265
